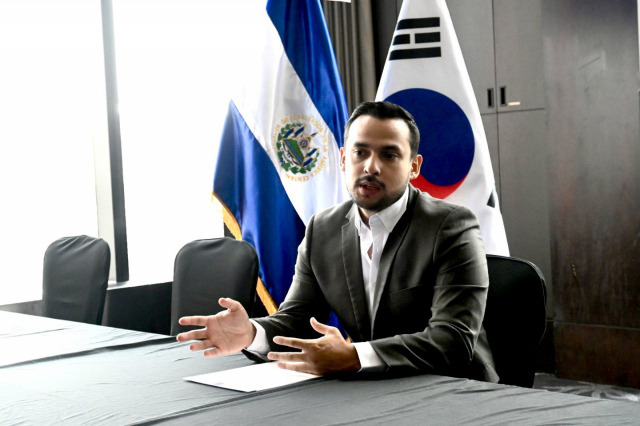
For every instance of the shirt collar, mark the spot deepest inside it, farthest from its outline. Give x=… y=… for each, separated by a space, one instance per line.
x=390 y=215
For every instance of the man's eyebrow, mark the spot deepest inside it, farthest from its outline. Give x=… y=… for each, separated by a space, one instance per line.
x=392 y=147
x=360 y=145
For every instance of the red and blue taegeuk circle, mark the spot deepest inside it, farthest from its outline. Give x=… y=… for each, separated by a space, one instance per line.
x=447 y=144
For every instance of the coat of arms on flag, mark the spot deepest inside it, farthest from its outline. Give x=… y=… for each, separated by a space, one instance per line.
x=301 y=145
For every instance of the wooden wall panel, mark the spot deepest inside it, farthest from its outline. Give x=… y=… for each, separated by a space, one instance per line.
x=591 y=55
x=598 y=354
x=591 y=71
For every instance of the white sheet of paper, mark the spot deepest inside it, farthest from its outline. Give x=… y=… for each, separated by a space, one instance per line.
x=252 y=378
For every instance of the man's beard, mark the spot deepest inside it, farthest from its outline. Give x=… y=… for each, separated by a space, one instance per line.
x=375 y=205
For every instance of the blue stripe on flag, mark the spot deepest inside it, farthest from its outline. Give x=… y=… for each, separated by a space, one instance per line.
x=306 y=41
x=250 y=187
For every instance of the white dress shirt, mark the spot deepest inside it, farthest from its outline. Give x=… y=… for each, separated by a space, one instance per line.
x=372 y=237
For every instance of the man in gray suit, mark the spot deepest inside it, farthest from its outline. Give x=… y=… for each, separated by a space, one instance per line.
x=405 y=273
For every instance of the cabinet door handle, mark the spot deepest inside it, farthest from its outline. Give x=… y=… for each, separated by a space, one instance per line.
x=503 y=98
x=490 y=97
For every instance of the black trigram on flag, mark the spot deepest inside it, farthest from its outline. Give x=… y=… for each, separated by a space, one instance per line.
x=421 y=38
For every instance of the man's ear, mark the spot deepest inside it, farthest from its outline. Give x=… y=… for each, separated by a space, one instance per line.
x=342 y=158
x=416 y=163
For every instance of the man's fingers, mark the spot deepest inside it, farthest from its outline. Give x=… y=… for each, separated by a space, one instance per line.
x=199 y=334
x=200 y=345
x=320 y=327
x=183 y=337
x=197 y=320
x=287 y=356
x=212 y=352
x=291 y=342
x=228 y=303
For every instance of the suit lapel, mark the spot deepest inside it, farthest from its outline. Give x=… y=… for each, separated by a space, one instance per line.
x=389 y=253
x=353 y=271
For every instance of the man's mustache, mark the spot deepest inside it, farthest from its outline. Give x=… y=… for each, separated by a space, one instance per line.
x=370 y=179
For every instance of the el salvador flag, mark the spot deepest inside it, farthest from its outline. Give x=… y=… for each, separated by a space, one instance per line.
x=425 y=73
x=278 y=158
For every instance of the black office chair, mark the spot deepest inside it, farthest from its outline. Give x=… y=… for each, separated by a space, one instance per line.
x=206 y=270
x=515 y=318
x=74 y=279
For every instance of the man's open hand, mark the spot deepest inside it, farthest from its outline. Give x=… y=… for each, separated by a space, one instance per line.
x=225 y=332
x=330 y=353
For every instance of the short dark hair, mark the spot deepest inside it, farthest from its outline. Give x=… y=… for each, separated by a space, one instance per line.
x=387 y=111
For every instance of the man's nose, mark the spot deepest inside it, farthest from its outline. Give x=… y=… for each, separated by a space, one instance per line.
x=372 y=166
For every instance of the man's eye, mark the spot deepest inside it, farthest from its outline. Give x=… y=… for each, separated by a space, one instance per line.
x=391 y=156
x=357 y=152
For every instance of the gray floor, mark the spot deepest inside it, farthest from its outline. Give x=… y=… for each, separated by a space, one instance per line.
x=554 y=384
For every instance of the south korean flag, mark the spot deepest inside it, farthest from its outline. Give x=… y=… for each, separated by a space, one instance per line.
x=425 y=73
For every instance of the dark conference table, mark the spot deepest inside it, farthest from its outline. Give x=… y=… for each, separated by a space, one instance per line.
x=60 y=372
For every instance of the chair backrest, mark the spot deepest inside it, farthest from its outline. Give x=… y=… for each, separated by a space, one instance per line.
x=205 y=271
x=515 y=317
x=75 y=276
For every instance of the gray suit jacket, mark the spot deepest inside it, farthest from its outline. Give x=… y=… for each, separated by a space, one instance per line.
x=432 y=289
